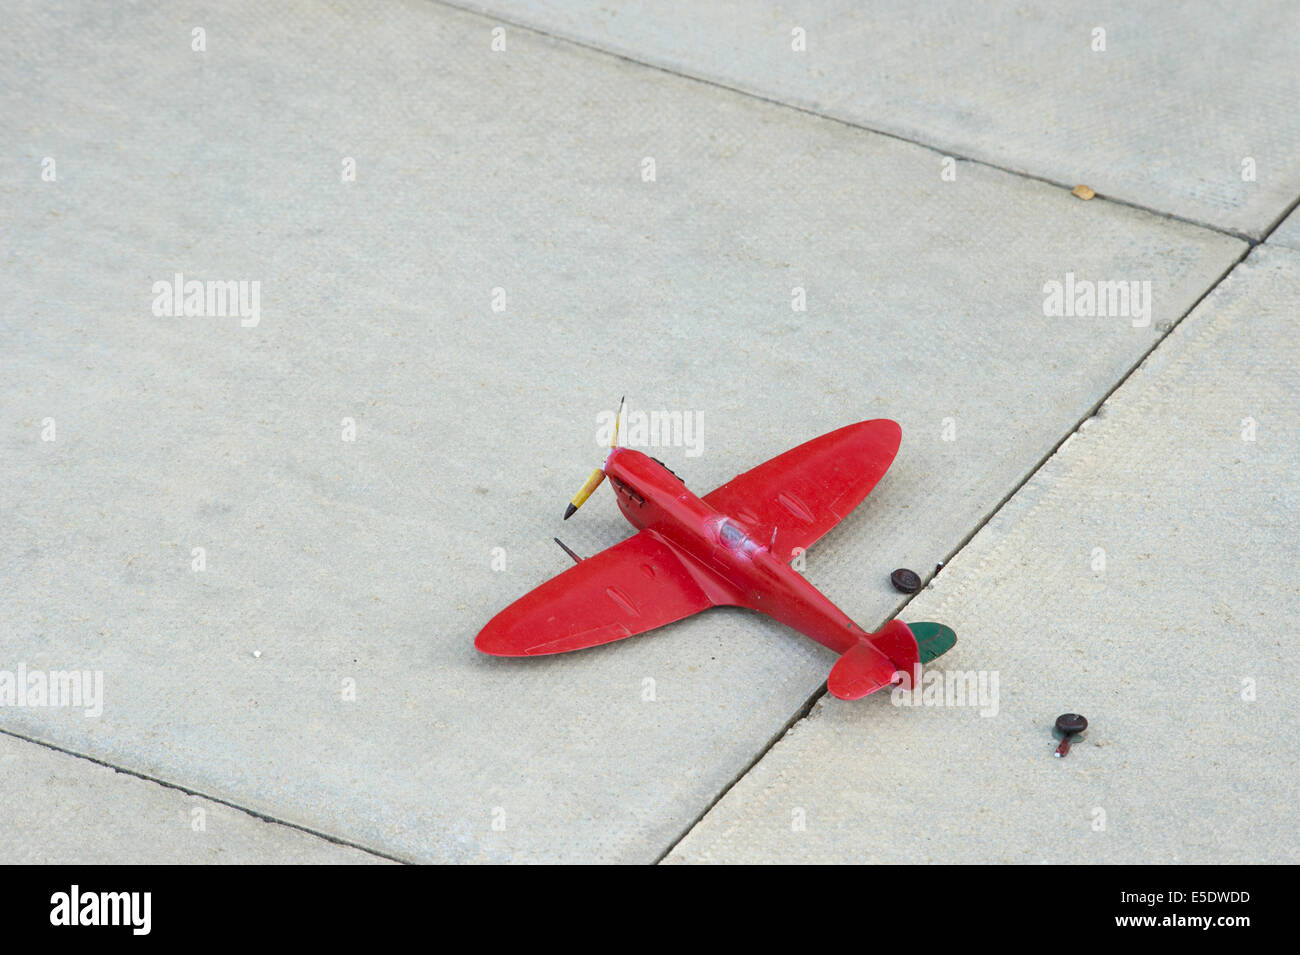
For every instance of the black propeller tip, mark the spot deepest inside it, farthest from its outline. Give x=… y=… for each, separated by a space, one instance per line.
x=569 y=511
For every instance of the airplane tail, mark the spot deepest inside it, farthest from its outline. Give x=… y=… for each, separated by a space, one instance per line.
x=896 y=648
x=932 y=639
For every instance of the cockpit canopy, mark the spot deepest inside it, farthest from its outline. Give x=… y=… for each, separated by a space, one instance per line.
x=732 y=536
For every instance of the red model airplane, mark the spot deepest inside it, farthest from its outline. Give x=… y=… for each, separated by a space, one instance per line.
x=731 y=547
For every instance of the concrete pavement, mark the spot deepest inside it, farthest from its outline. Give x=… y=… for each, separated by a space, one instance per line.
x=1186 y=108
x=64 y=810
x=1144 y=578
x=275 y=532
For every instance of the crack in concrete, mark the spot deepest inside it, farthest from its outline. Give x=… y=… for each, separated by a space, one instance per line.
x=166 y=784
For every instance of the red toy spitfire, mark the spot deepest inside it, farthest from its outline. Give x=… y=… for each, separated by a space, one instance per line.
x=731 y=547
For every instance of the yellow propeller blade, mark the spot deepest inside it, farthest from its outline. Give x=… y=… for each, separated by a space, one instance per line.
x=580 y=498
x=613 y=441
x=597 y=475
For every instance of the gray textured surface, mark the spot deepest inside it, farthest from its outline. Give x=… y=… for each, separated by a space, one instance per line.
x=1163 y=118
x=59 y=809
x=370 y=561
x=1288 y=233
x=1198 y=595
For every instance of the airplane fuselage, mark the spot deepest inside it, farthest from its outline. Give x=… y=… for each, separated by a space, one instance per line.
x=730 y=565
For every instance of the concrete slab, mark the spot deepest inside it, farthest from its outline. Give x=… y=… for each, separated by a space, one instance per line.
x=319 y=667
x=62 y=810
x=1165 y=116
x=1288 y=233
x=1144 y=578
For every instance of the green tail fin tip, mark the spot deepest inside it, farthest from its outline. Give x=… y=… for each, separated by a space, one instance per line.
x=932 y=639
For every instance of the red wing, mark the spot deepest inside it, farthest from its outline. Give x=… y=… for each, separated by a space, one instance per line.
x=624 y=590
x=806 y=491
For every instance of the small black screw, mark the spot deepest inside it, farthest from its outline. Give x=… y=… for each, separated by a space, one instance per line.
x=1068 y=725
x=905 y=581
